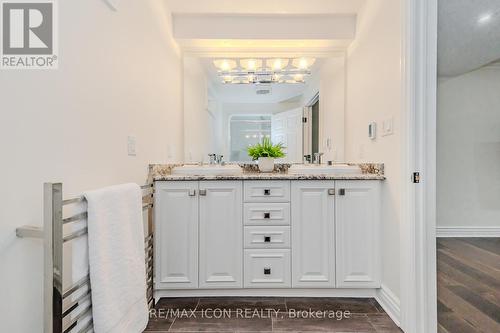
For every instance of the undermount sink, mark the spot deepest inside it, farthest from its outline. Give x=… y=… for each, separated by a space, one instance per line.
x=323 y=169
x=208 y=170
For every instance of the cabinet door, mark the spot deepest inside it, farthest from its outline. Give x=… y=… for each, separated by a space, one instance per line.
x=358 y=234
x=221 y=234
x=313 y=239
x=176 y=250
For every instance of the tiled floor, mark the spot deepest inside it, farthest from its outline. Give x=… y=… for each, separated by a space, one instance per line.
x=468 y=271
x=269 y=314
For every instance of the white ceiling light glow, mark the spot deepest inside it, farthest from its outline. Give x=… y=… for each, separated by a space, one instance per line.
x=253 y=71
x=484 y=19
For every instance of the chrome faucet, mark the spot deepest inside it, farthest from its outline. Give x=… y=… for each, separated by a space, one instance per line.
x=212 y=159
x=216 y=159
x=317 y=158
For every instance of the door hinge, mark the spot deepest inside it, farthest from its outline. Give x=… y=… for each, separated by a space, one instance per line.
x=304 y=119
x=416 y=177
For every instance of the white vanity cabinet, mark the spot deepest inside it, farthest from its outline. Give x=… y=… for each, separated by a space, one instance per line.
x=176 y=229
x=199 y=232
x=255 y=234
x=357 y=222
x=313 y=234
x=221 y=234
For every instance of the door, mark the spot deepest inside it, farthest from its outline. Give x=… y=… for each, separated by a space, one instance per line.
x=286 y=127
x=313 y=238
x=221 y=234
x=358 y=234
x=176 y=249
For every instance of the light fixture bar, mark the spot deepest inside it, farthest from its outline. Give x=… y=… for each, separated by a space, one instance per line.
x=255 y=71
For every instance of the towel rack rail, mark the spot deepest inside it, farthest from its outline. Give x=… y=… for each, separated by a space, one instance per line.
x=70 y=310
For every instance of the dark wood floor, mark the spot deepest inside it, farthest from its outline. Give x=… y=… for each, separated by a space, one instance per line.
x=468 y=285
x=366 y=315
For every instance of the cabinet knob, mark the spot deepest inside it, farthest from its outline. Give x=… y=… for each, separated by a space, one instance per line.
x=267 y=191
x=203 y=192
x=331 y=191
x=267 y=239
x=267 y=271
x=192 y=193
x=342 y=191
x=267 y=215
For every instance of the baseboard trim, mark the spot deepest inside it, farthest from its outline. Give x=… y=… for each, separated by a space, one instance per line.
x=467 y=231
x=390 y=303
x=285 y=292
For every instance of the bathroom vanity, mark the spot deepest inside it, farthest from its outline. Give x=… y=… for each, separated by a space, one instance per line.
x=270 y=234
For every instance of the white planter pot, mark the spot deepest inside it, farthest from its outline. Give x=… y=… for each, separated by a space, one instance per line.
x=266 y=164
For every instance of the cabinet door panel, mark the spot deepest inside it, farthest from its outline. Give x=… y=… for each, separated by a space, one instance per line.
x=358 y=234
x=313 y=250
x=221 y=234
x=176 y=250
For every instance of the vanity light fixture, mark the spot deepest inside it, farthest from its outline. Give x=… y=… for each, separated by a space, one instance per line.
x=225 y=65
x=303 y=63
x=264 y=71
x=251 y=65
x=277 y=65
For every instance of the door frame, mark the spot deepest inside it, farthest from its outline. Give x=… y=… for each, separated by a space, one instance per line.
x=418 y=220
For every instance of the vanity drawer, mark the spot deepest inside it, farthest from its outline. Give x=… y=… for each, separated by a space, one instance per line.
x=267 y=237
x=267 y=191
x=266 y=214
x=267 y=269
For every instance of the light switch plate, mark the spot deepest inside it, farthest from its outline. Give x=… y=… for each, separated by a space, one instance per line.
x=388 y=126
x=372 y=130
x=131 y=146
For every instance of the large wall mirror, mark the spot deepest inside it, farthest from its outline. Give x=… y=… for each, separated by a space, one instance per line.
x=231 y=103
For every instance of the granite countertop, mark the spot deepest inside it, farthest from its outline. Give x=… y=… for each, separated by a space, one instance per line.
x=369 y=171
x=272 y=176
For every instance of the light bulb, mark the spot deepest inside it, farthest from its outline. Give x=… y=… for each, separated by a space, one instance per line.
x=252 y=65
x=298 y=77
x=303 y=63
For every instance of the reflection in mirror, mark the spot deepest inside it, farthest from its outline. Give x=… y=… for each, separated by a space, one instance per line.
x=246 y=130
x=230 y=104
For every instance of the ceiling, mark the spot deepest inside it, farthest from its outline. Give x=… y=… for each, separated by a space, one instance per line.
x=246 y=93
x=234 y=27
x=468 y=35
x=266 y=6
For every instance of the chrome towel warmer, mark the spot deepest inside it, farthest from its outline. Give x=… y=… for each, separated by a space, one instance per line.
x=63 y=313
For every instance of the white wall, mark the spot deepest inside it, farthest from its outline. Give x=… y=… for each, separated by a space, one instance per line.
x=373 y=94
x=468 y=163
x=119 y=75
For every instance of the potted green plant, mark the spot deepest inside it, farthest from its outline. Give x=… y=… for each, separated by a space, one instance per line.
x=265 y=152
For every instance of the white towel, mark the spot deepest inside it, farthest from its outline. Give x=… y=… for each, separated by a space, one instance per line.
x=117 y=259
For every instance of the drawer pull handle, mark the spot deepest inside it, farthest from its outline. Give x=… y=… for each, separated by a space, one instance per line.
x=331 y=191
x=192 y=193
x=267 y=239
x=342 y=191
x=267 y=215
x=267 y=271
x=203 y=192
x=267 y=191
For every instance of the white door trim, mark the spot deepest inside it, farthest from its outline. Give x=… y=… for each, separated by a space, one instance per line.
x=418 y=220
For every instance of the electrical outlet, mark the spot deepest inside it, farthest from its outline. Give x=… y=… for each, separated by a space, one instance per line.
x=131 y=146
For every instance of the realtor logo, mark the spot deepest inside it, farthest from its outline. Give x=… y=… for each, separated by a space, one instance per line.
x=28 y=34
